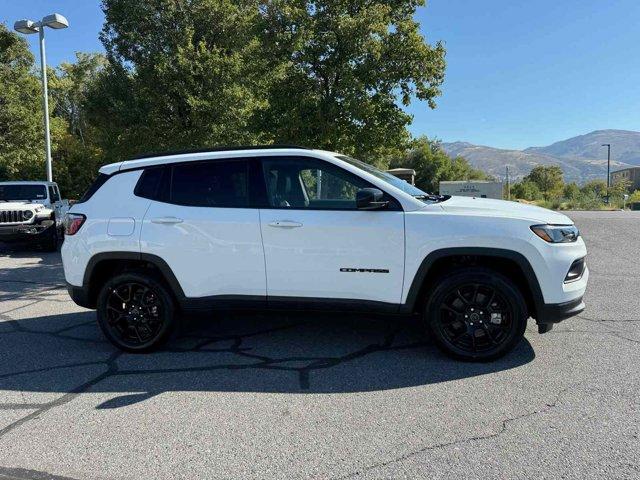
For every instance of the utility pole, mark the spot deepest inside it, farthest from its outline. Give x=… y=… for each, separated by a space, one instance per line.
x=508 y=185
x=608 y=145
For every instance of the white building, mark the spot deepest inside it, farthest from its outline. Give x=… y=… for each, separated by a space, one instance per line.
x=472 y=188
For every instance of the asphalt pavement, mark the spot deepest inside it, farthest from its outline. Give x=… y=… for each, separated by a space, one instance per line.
x=319 y=395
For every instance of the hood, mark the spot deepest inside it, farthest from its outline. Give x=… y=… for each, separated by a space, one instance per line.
x=20 y=205
x=505 y=209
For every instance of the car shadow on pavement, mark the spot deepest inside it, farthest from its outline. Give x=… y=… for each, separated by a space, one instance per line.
x=32 y=270
x=233 y=352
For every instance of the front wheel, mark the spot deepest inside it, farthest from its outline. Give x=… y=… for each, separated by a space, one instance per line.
x=136 y=312
x=476 y=315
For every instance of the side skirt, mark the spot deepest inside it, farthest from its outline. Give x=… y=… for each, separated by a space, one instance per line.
x=251 y=302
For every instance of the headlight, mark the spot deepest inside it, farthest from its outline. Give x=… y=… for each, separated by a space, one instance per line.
x=27 y=214
x=557 y=233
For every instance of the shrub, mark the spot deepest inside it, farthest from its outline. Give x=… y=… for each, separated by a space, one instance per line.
x=634 y=197
x=526 y=190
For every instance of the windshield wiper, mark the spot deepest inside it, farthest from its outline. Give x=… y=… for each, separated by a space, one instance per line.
x=432 y=197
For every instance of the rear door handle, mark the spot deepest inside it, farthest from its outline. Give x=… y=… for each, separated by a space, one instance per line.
x=166 y=220
x=285 y=224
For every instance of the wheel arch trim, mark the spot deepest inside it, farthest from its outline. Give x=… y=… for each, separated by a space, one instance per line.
x=428 y=262
x=155 y=260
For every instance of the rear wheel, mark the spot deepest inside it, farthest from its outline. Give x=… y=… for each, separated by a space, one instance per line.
x=476 y=314
x=136 y=312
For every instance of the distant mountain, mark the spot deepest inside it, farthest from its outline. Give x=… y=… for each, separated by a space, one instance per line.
x=581 y=158
x=625 y=146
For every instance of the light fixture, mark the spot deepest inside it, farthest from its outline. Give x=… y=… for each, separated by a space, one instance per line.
x=25 y=26
x=55 y=20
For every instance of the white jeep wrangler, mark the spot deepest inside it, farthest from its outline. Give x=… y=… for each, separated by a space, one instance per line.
x=292 y=228
x=32 y=212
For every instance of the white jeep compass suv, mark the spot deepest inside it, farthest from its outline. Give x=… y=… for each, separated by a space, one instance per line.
x=293 y=228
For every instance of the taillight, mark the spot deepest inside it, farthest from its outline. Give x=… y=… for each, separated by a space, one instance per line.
x=73 y=222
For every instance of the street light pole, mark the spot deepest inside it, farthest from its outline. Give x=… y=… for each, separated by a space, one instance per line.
x=55 y=21
x=608 y=145
x=508 y=185
x=45 y=107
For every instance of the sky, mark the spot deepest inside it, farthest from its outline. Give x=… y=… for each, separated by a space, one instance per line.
x=520 y=73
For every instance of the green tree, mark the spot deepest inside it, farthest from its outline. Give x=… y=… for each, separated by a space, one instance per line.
x=70 y=88
x=548 y=178
x=75 y=164
x=571 y=191
x=76 y=157
x=634 y=197
x=21 y=130
x=620 y=188
x=181 y=74
x=339 y=67
x=526 y=190
x=433 y=165
x=597 y=188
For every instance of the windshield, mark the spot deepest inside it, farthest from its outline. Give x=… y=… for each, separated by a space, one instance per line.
x=387 y=177
x=22 y=192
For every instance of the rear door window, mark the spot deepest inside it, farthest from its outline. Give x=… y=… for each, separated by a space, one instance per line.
x=218 y=183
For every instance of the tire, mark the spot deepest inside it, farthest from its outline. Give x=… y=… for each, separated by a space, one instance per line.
x=51 y=243
x=136 y=312
x=476 y=314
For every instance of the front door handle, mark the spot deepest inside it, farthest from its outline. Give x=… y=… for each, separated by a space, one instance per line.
x=166 y=220
x=285 y=224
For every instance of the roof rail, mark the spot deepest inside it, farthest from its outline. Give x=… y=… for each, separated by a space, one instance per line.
x=213 y=149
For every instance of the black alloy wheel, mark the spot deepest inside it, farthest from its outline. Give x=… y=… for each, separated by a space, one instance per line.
x=477 y=314
x=135 y=312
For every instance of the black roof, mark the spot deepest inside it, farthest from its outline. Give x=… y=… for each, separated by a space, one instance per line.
x=214 y=149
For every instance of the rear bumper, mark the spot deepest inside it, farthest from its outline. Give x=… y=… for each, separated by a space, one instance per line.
x=80 y=296
x=25 y=232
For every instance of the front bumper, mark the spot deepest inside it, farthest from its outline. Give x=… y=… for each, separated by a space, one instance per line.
x=563 y=287
x=557 y=312
x=25 y=232
x=551 y=313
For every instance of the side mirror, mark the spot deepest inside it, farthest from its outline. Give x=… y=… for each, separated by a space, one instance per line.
x=370 y=199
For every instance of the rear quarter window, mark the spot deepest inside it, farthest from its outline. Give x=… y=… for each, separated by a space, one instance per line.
x=149 y=182
x=94 y=187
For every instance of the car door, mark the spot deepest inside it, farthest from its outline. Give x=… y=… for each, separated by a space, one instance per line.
x=318 y=245
x=203 y=226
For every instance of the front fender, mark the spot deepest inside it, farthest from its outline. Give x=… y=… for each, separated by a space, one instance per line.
x=433 y=235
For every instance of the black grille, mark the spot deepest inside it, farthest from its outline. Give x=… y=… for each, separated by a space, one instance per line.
x=11 y=216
